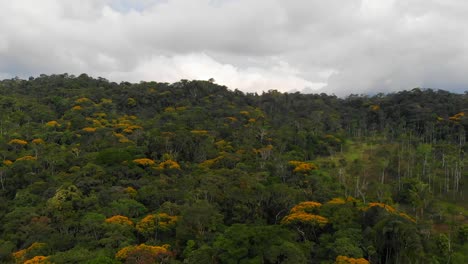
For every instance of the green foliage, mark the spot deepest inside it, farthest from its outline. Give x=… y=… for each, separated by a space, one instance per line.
x=6 y=248
x=228 y=168
x=463 y=234
x=113 y=156
x=128 y=207
x=74 y=255
x=257 y=244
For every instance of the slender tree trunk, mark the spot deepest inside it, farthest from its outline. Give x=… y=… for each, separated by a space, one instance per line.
x=399 y=170
x=2 y=179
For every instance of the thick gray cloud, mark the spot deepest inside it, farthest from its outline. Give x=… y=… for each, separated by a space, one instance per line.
x=333 y=46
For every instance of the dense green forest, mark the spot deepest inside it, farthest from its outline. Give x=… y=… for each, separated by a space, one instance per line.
x=94 y=171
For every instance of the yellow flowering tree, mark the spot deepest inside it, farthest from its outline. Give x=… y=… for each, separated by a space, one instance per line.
x=28 y=157
x=302 y=166
x=89 y=129
x=83 y=100
x=38 y=260
x=388 y=208
x=77 y=108
x=119 y=220
x=144 y=254
x=336 y=201
x=119 y=231
x=307 y=206
x=131 y=192
x=38 y=141
x=52 y=124
x=304 y=217
x=199 y=132
x=152 y=223
x=19 y=256
x=342 y=213
x=169 y=164
x=18 y=142
x=348 y=260
x=144 y=162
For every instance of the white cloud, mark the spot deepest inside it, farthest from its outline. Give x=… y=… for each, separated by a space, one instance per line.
x=200 y=66
x=330 y=46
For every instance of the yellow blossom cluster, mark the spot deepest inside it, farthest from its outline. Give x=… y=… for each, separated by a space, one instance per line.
x=167 y=134
x=165 y=221
x=119 y=135
x=89 y=129
x=38 y=141
x=147 y=224
x=52 y=123
x=348 y=260
x=131 y=128
x=130 y=191
x=387 y=207
x=19 y=255
x=210 y=162
x=26 y=158
x=38 y=260
x=122 y=138
x=7 y=162
x=153 y=250
x=223 y=145
x=457 y=117
x=144 y=162
x=301 y=214
x=127 y=118
x=199 y=132
x=305 y=206
x=106 y=101
x=232 y=119
x=169 y=164
x=336 y=201
x=303 y=217
x=339 y=200
x=125 y=123
x=82 y=100
x=375 y=108
x=302 y=166
x=407 y=217
x=152 y=222
x=265 y=149
x=96 y=123
x=169 y=109
x=119 y=219
x=18 y=142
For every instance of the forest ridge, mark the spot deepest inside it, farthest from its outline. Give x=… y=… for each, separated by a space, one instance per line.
x=94 y=171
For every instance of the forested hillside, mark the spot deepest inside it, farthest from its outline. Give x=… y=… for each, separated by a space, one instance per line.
x=98 y=172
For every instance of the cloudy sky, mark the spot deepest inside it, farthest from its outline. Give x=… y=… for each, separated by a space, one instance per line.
x=332 y=46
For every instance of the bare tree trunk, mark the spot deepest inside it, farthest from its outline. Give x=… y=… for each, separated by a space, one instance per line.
x=2 y=179
x=399 y=170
